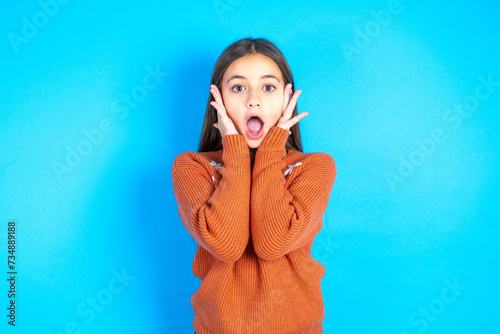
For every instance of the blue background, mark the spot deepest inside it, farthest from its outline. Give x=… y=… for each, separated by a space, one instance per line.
x=374 y=86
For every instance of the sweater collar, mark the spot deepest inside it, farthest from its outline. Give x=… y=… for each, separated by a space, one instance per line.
x=289 y=151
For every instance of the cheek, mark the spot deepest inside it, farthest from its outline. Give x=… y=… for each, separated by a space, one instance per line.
x=232 y=112
x=277 y=108
x=237 y=121
x=277 y=101
x=230 y=103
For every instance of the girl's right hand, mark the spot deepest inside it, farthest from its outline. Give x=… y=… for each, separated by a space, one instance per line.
x=224 y=123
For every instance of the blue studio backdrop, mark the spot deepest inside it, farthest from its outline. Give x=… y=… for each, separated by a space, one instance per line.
x=97 y=98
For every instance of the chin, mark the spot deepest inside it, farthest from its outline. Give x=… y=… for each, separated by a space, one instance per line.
x=255 y=143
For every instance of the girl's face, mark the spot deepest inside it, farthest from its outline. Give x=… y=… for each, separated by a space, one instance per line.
x=253 y=85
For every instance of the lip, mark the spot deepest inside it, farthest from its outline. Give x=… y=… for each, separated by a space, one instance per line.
x=254 y=115
x=258 y=134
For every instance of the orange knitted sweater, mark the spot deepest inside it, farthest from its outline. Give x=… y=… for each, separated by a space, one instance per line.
x=255 y=227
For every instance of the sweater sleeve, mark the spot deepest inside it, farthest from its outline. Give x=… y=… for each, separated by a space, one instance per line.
x=217 y=218
x=285 y=218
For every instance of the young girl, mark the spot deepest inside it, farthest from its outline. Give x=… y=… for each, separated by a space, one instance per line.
x=254 y=201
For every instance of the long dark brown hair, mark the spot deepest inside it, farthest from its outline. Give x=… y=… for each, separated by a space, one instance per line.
x=211 y=139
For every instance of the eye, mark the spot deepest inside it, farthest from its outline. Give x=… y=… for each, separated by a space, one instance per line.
x=269 y=90
x=236 y=86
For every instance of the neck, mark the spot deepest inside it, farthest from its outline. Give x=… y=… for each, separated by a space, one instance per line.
x=252 y=155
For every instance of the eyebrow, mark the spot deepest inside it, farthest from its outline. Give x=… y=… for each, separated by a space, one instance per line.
x=236 y=76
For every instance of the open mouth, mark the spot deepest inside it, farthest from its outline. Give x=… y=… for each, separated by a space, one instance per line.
x=254 y=126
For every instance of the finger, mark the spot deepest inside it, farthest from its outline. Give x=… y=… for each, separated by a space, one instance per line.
x=289 y=95
x=284 y=99
x=286 y=96
x=221 y=116
x=294 y=120
x=213 y=91
x=221 y=111
x=216 y=106
x=219 y=105
x=216 y=124
x=216 y=94
x=291 y=105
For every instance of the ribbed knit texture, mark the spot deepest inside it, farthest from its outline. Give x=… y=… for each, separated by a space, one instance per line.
x=255 y=229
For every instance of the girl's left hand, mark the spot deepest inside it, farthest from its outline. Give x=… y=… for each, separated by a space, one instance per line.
x=288 y=105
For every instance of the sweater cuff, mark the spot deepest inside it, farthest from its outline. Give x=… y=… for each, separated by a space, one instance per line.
x=275 y=140
x=235 y=152
x=234 y=142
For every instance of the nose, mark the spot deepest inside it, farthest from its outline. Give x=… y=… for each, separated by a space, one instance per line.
x=254 y=99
